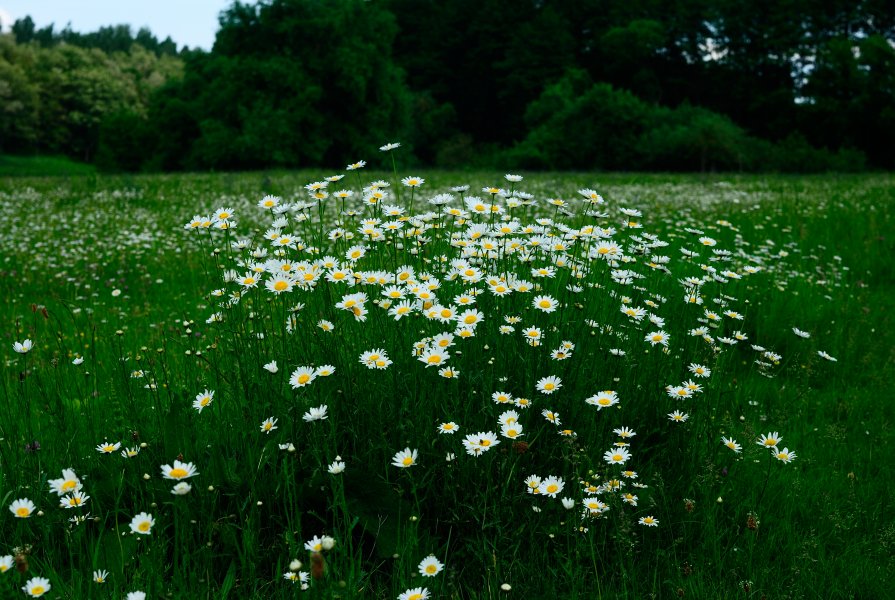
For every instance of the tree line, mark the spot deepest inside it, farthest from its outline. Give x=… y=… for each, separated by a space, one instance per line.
x=788 y=85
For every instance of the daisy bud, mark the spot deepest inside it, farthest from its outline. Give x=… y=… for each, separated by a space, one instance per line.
x=295 y=565
x=506 y=587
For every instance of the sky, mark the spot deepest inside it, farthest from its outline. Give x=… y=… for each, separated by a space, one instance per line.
x=189 y=22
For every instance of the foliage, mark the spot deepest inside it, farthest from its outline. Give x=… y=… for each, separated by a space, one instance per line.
x=716 y=84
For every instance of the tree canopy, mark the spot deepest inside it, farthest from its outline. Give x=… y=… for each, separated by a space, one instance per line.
x=585 y=84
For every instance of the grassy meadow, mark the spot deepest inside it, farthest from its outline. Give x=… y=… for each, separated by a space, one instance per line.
x=562 y=386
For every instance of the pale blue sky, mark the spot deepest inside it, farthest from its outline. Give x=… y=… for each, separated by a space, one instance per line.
x=188 y=22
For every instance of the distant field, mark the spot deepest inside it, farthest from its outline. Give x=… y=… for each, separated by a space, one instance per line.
x=40 y=166
x=680 y=388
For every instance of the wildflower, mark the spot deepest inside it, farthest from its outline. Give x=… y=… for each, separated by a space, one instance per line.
x=434 y=357
x=616 y=456
x=182 y=489
x=37 y=587
x=316 y=413
x=279 y=285
x=180 y=470
x=324 y=370
x=657 y=337
x=375 y=359
x=130 y=452
x=68 y=483
x=548 y=385
x=568 y=503
x=22 y=508
x=624 y=432
x=23 y=347
x=533 y=484
x=74 y=500
x=448 y=373
x=302 y=376
x=770 y=440
x=136 y=596
x=6 y=563
x=107 y=448
x=551 y=416
x=800 y=333
x=603 y=399
x=732 y=444
x=315 y=544
x=358 y=165
x=268 y=425
x=142 y=523
x=269 y=202
x=449 y=427
x=477 y=444
x=785 y=455
x=413 y=181
x=414 y=594
x=100 y=576
x=78 y=360
x=551 y=486
x=823 y=354
x=430 y=566
x=470 y=318
x=649 y=521
x=405 y=458
x=336 y=467
x=699 y=370
x=296 y=577
x=545 y=303
x=511 y=430
x=203 y=400
x=678 y=416
x=389 y=147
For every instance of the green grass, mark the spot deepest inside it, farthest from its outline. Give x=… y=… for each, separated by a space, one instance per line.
x=102 y=268
x=42 y=166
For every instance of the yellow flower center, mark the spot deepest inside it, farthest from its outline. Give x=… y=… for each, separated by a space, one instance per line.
x=144 y=526
x=178 y=473
x=304 y=378
x=37 y=590
x=69 y=485
x=431 y=569
x=281 y=286
x=549 y=386
x=22 y=512
x=407 y=461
